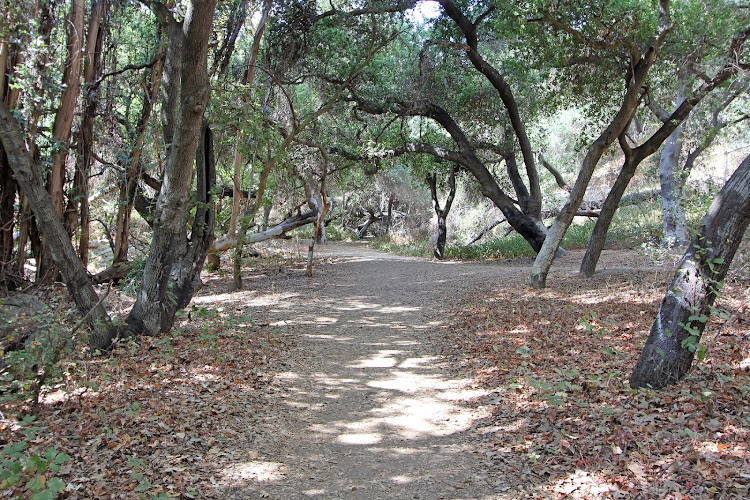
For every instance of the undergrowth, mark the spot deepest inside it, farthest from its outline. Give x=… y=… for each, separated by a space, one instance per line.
x=631 y=226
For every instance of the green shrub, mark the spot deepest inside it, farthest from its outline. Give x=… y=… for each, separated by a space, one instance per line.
x=30 y=474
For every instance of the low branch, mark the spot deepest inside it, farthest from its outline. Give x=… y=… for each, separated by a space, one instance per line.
x=415 y=147
x=278 y=231
x=484 y=231
x=129 y=67
x=555 y=173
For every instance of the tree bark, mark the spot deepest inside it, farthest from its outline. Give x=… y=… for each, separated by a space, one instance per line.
x=61 y=131
x=74 y=274
x=442 y=213
x=160 y=295
x=673 y=340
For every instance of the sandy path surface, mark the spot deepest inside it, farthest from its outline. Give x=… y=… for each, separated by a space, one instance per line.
x=364 y=406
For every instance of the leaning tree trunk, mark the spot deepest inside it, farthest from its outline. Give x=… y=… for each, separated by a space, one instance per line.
x=161 y=293
x=673 y=341
x=74 y=274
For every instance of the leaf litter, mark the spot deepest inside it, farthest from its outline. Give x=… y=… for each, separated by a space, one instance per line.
x=563 y=416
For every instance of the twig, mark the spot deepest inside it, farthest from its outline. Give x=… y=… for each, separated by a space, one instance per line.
x=83 y=320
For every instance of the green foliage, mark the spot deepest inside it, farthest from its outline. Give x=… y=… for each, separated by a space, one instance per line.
x=32 y=474
x=416 y=249
x=38 y=361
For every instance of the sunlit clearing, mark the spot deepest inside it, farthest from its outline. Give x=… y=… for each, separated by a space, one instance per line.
x=257 y=470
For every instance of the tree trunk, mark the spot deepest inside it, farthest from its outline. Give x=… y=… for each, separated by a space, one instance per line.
x=675 y=224
x=75 y=275
x=91 y=72
x=160 y=294
x=676 y=332
x=388 y=219
x=620 y=122
x=442 y=214
x=606 y=214
x=61 y=131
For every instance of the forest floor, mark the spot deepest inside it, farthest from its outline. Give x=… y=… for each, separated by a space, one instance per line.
x=395 y=377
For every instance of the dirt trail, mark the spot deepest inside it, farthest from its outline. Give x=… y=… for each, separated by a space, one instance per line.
x=364 y=406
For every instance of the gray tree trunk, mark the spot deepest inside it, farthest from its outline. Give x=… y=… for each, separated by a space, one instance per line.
x=673 y=340
x=442 y=213
x=675 y=225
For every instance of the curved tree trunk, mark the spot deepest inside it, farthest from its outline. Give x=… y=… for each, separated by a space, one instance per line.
x=673 y=340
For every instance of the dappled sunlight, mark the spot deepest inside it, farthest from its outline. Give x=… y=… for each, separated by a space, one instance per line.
x=584 y=484
x=255 y=470
x=421 y=362
x=402 y=479
x=383 y=359
x=325 y=320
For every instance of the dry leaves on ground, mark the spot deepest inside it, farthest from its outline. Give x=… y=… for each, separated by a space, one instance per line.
x=566 y=424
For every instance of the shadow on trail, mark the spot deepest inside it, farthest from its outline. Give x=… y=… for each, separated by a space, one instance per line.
x=367 y=409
